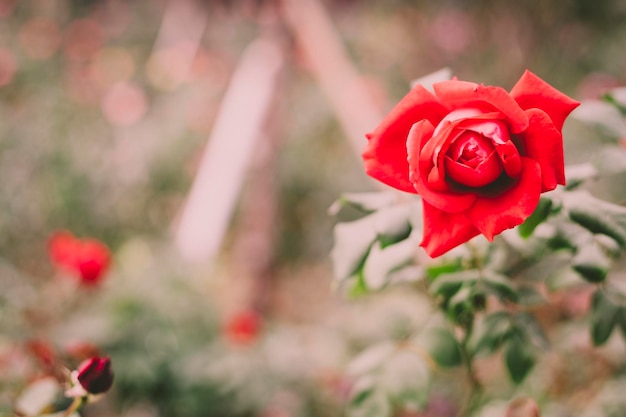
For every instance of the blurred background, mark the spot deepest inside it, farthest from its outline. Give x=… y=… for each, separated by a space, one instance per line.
x=112 y=110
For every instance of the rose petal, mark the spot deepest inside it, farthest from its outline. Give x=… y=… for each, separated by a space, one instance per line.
x=544 y=143
x=533 y=92
x=385 y=153
x=433 y=151
x=443 y=199
x=484 y=174
x=462 y=94
x=493 y=215
x=444 y=231
x=498 y=133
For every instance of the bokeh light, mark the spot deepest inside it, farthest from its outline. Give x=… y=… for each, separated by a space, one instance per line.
x=124 y=104
x=40 y=38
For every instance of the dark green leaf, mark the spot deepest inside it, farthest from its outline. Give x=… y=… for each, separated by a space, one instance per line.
x=592 y=263
x=597 y=216
x=519 y=358
x=460 y=308
x=539 y=215
x=604 y=316
x=442 y=347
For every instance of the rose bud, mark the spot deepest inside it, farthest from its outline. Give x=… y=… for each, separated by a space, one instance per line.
x=478 y=156
x=93 y=376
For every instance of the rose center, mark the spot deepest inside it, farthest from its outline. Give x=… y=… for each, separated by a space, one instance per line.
x=472 y=160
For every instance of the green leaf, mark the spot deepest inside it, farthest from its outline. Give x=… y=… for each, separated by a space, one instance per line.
x=448 y=285
x=527 y=324
x=371 y=358
x=578 y=174
x=381 y=263
x=461 y=308
x=434 y=271
x=405 y=377
x=606 y=118
x=358 y=287
x=519 y=358
x=499 y=285
x=354 y=239
x=562 y=279
x=442 y=347
x=622 y=320
x=392 y=224
x=427 y=81
x=529 y=296
x=352 y=244
x=604 y=317
x=609 y=160
x=539 y=215
x=617 y=98
x=592 y=263
x=495 y=329
x=368 y=400
x=596 y=215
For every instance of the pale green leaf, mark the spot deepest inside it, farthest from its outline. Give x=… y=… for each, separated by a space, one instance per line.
x=603 y=116
x=37 y=396
x=382 y=262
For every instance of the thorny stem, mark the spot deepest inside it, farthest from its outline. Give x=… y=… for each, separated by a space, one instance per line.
x=76 y=404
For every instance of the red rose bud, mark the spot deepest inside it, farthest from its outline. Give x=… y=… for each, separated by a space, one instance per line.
x=95 y=375
x=243 y=328
x=87 y=259
x=479 y=156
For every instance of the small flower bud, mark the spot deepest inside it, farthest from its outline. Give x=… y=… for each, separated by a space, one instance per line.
x=93 y=376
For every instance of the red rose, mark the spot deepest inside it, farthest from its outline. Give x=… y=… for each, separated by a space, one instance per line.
x=478 y=156
x=88 y=259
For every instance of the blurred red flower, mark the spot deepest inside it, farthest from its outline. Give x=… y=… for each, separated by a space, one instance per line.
x=88 y=259
x=243 y=328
